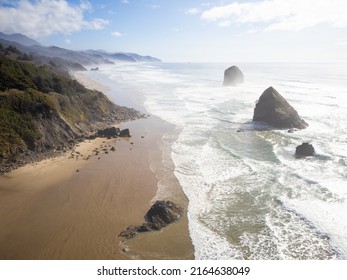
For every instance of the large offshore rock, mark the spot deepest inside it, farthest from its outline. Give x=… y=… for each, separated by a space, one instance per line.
x=275 y=111
x=232 y=76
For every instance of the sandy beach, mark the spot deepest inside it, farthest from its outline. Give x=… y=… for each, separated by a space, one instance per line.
x=74 y=207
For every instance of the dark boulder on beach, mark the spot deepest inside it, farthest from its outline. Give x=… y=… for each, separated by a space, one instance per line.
x=232 y=76
x=113 y=132
x=161 y=214
x=304 y=150
x=124 y=133
x=108 y=132
x=275 y=111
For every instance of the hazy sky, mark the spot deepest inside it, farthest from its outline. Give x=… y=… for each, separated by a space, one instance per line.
x=188 y=30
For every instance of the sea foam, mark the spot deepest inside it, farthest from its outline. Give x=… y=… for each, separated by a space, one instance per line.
x=249 y=198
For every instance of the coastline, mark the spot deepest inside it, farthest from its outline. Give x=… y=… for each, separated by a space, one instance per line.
x=73 y=208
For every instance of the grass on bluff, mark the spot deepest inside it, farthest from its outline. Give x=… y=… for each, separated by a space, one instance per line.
x=30 y=91
x=18 y=110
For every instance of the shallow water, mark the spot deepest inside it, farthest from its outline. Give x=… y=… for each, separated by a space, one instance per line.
x=249 y=198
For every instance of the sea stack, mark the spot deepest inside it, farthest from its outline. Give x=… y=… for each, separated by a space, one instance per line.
x=232 y=76
x=275 y=111
x=304 y=150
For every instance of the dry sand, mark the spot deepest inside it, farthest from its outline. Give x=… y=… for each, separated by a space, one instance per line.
x=88 y=83
x=49 y=210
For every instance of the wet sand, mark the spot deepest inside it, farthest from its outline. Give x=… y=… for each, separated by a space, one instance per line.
x=49 y=210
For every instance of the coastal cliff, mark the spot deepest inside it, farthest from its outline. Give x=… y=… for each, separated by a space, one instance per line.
x=44 y=112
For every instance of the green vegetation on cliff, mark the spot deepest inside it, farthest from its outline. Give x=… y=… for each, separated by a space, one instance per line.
x=22 y=75
x=18 y=110
x=42 y=108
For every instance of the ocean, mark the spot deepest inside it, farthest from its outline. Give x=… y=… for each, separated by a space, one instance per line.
x=249 y=197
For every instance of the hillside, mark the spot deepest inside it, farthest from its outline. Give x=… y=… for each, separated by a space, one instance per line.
x=19 y=38
x=123 y=56
x=43 y=110
x=66 y=59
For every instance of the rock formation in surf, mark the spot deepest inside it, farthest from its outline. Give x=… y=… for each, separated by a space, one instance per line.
x=232 y=76
x=304 y=150
x=275 y=111
x=161 y=214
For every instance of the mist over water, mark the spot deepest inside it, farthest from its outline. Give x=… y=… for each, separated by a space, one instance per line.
x=249 y=198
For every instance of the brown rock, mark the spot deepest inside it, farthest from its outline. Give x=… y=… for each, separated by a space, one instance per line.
x=161 y=214
x=275 y=111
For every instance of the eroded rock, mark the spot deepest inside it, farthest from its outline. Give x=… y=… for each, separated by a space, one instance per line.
x=275 y=111
x=304 y=150
x=161 y=214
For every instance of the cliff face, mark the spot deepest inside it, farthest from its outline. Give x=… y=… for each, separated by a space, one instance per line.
x=43 y=111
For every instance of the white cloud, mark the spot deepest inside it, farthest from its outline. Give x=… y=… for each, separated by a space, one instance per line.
x=224 y=23
x=207 y=4
x=68 y=41
x=42 y=18
x=85 y=5
x=124 y=1
x=282 y=14
x=116 y=34
x=96 y=24
x=192 y=11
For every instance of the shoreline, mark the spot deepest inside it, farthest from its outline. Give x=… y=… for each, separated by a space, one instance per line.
x=73 y=208
x=174 y=240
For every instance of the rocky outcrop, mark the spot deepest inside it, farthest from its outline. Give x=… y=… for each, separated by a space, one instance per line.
x=124 y=133
x=304 y=150
x=275 y=111
x=108 y=132
x=161 y=214
x=44 y=110
x=232 y=76
x=112 y=132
